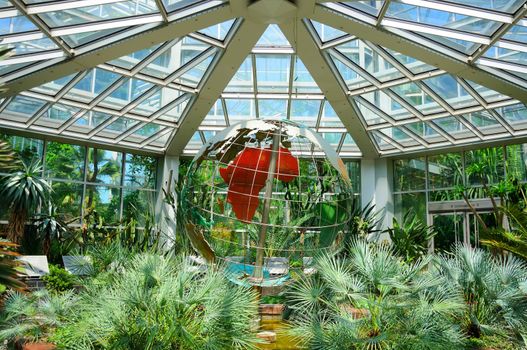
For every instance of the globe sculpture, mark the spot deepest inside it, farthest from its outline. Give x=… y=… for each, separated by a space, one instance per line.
x=264 y=197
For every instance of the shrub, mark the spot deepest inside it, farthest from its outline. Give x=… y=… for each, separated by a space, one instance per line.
x=58 y=279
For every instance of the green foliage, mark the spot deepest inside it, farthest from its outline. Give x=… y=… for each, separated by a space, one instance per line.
x=410 y=237
x=35 y=316
x=9 y=267
x=494 y=290
x=25 y=190
x=58 y=279
x=371 y=300
x=50 y=227
x=156 y=302
x=9 y=160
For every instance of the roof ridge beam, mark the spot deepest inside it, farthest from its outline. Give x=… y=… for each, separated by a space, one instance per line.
x=320 y=69
x=383 y=37
x=163 y=32
x=227 y=64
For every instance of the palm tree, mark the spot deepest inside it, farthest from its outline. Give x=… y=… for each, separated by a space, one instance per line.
x=156 y=302
x=494 y=289
x=372 y=300
x=25 y=191
x=9 y=271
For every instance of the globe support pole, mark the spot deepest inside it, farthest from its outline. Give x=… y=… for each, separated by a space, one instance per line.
x=258 y=268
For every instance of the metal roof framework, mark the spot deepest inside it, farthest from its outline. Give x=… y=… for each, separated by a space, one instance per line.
x=376 y=78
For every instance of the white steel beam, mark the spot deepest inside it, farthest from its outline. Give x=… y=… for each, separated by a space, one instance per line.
x=228 y=62
x=158 y=34
x=308 y=51
x=387 y=38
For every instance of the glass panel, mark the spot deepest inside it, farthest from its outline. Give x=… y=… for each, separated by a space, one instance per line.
x=239 y=109
x=517 y=33
x=215 y=115
x=65 y=161
x=14 y=25
x=79 y=39
x=52 y=87
x=138 y=205
x=272 y=72
x=330 y=117
x=22 y=108
x=242 y=81
x=303 y=82
x=509 y=6
x=409 y=174
x=516 y=114
x=96 y=81
x=369 y=7
x=193 y=77
x=487 y=94
x=129 y=90
x=131 y=60
x=404 y=202
x=447 y=87
x=517 y=162
x=440 y=18
x=417 y=98
x=399 y=136
x=174 y=5
x=140 y=171
x=445 y=170
x=32 y=46
x=88 y=122
x=158 y=100
x=485 y=165
x=218 y=31
x=326 y=33
x=29 y=150
x=67 y=197
x=350 y=77
x=305 y=111
x=388 y=105
x=92 y=14
x=273 y=37
x=56 y=115
x=453 y=127
x=484 y=122
x=276 y=109
x=362 y=55
x=105 y=202
x=507 y=55
x=104 y=166
x=463 y=46
x=414 y=65
x=449 y=231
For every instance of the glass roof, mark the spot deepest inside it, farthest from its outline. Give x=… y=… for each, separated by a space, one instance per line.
x=140 y=96
x=274 y=83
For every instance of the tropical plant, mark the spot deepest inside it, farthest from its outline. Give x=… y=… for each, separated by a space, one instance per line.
x=49 y=226
x=494 y=289
x=24 y=190
x=372 y=300
x=411 y=237
x=9 y=160
x=34 y=316
x=156 y=302
x=58 y=280
x=9 y=267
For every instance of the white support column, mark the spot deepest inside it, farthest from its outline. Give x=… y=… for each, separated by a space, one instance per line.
x=168 y=172
x=376 y=187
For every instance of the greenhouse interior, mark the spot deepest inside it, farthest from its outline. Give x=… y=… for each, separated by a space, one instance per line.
x=263 y=174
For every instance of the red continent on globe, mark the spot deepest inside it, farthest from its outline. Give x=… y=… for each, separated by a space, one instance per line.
x=246 y=175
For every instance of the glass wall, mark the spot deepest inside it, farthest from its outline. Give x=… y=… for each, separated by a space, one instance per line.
x=441 y=177
x=91 y=185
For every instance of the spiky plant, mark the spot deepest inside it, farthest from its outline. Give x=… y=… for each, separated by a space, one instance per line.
x=494 y=289
x=35 y=316
x=9 y=267
x=372 y=300
x=24 y=190
x=158 y=303
x=411 y=236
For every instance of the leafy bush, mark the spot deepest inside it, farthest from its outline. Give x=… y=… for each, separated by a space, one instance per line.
x=411 y=236
x=34 y=316
x=372 y=299
x=156 y=302
x=58 y=279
